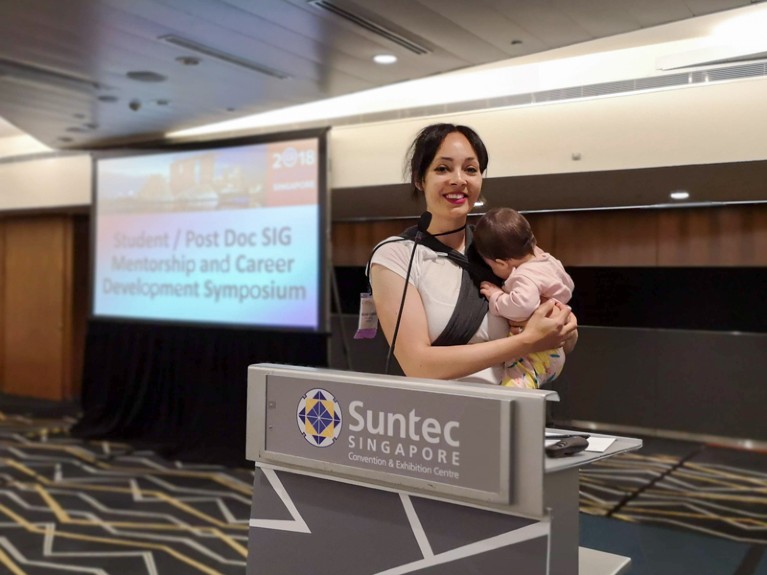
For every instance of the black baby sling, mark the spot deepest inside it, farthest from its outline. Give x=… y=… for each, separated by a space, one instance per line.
x=471 y=306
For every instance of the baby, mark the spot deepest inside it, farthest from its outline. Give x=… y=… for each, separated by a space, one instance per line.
x=505 y=241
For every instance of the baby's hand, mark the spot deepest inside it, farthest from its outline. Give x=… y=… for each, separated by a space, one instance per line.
x=487 y=289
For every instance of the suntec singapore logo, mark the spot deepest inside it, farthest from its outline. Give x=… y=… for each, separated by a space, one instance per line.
x=319 y=417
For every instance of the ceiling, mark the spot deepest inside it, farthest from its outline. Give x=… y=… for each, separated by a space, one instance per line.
x=79 y=74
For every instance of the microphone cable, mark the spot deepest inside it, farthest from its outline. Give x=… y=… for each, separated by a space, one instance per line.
x=423 y=225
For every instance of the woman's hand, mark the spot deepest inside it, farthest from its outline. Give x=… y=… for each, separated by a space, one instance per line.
x=571 y=340
x=552 y=325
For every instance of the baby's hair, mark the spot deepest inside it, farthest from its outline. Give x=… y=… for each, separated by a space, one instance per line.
x=502 y=234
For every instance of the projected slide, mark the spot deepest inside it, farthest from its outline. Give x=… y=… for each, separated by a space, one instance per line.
x=227 y=235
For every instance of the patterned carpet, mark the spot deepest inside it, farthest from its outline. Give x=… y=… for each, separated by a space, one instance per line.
x=101 y=508
x=708 y=490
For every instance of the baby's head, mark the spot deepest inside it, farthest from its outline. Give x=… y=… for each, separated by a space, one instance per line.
x=504 y=239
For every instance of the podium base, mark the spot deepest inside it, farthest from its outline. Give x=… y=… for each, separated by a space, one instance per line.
x=593 y=562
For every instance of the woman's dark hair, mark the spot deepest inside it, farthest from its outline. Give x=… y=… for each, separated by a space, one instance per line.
x=425 y=145
x=503 y=234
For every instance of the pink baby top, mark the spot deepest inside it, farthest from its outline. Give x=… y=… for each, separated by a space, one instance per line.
x=542 y=276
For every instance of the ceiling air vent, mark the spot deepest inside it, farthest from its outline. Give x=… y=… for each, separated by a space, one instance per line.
x=194 y=46
x=736 y=72
x=370 y=26
x=13 y=71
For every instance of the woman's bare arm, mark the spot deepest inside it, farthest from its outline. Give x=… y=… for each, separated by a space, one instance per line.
x=418 y=358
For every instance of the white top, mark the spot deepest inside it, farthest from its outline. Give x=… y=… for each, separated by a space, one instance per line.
x=544 y=275
x=438 y=281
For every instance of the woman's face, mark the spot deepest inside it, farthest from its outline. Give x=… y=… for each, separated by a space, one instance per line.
x=453 y=180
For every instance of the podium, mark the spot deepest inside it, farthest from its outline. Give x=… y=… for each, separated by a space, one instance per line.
x=371 y=474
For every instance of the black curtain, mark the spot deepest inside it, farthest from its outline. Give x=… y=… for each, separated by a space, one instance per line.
x=685 y=298
x=180 y=390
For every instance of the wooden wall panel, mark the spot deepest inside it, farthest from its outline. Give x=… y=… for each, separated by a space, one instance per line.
x=545 y=228
x=35 y=326
x=352 y=242
x=718 y=237
x=66 y=318
x=614 y=238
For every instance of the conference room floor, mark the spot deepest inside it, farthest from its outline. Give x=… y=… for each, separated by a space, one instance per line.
x=679 y=507
x=68 y=505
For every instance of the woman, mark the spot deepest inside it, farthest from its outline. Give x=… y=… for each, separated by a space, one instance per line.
x=446 y=166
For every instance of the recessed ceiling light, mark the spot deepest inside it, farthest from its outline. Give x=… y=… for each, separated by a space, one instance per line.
x=384 y=58
x=679 y=195
x=188 y=60
x=146 y=76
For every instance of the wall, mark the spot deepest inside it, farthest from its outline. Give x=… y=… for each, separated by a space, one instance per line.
x=691 y=126
x=664 y=297
x=45 y=182
x=724 y=236
x=40 y=333
x=673 y=383
x=529 y=147
x=715 y=123
x=44 y=280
